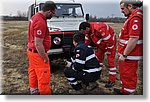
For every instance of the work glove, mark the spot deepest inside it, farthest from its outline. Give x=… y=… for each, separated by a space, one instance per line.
x=68 y=64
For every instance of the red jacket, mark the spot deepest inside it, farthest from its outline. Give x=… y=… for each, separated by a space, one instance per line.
x=38 y=28
x=102 y=36
x=132 y=27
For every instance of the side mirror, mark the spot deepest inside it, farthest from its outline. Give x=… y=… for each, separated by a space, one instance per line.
x=87 y=17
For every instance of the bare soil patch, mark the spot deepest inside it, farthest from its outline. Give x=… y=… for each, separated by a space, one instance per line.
x=15 y=65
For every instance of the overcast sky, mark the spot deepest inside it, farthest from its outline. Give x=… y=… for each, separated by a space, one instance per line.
x=99 y=8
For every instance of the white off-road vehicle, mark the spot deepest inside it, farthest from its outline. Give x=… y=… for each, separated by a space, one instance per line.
x=62 y=25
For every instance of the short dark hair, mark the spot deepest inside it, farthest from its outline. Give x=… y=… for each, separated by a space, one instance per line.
x=135 y=3
x=79 y=37
x=49 y=5
x=83 y=25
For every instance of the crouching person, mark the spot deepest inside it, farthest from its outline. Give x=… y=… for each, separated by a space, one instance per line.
x=84 y=69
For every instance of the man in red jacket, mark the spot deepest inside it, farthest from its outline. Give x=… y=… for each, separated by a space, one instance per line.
x=102 y=36
x=39 y=43
x=130 y=46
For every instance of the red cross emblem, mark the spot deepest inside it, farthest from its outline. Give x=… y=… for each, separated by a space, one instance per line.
x=103 y=34
x=135 y=27
x=77 y=55
x=39 y=32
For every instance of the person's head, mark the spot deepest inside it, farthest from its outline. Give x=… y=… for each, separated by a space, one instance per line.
x=49 y=9
x=78 y=38
x=84 y=27
x=128 y=6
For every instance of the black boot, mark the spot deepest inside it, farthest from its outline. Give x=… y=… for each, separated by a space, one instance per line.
x=117 y=92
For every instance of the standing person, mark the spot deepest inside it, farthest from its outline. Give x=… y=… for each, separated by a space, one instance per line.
x=130 y=46
x=39 y=43
x=103 y=37
x=84 y=67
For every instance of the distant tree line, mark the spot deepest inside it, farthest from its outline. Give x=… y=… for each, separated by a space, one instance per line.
x=107 y=19
x=22 y=16
x=14 y=18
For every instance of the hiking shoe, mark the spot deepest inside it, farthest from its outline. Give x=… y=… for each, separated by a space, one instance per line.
x=35 y=92
x=110 y=84
x=117 y=92
x=91 y=86
x=76 y=92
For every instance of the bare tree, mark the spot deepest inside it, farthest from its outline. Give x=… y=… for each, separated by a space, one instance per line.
x=21 y=14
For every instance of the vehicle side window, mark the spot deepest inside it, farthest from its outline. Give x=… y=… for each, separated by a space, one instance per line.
x=78 y=11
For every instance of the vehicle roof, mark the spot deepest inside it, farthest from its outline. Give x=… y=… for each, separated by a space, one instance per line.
x=56 y=1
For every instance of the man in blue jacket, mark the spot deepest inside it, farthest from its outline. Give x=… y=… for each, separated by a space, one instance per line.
x=84 y=67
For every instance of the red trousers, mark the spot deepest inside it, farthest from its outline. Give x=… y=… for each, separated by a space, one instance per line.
x=39 y=74
x=128 y=75
x=111 y=62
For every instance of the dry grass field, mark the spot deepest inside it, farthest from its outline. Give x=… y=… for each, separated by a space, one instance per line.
x=15 y=64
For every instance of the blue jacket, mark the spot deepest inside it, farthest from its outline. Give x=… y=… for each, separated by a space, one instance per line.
x=85 y=59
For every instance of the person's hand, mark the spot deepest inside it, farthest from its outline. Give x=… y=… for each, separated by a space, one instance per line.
x=46 y=59
x=121 y=58
x=68 y=64
x=107 y=53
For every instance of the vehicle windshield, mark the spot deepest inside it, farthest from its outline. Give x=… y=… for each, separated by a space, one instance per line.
x=63 y=10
